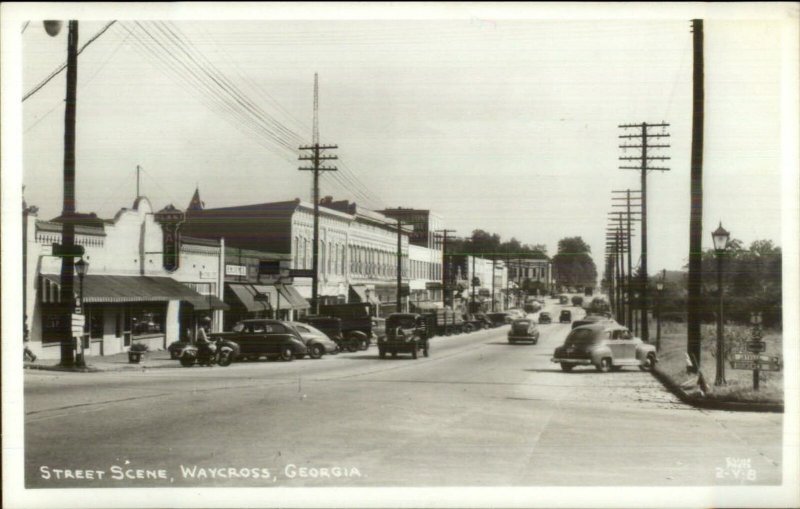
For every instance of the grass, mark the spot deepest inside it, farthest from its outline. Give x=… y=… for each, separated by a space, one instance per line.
x=739 y=387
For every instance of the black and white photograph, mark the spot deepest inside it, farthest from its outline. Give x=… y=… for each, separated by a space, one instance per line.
x=400 y=255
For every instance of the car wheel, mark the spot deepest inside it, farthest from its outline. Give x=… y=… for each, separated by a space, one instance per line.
x=567 y=367
x=605 y=365
x=382 y=352
x=468 y=328
x=316 y=351
x=426 y=350
x=649 y=363
x=364 y=344
x=352 y=345
x=287 y=354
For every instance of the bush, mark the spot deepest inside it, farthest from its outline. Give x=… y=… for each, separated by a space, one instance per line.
x=139 y=347
x=577 y=300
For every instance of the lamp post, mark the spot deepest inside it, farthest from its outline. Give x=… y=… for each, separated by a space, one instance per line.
x=82 y=268
x=720 y=238
x=634 y=314
x=659 y=289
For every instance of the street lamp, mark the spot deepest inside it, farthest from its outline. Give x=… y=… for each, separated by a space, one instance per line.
x=82 y=268
x=659 y=289
x=720 y=238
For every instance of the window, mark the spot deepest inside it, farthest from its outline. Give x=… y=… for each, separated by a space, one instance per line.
x=147 y=320
x=96 y=323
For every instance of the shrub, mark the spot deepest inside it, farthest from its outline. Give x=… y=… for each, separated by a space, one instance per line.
x=139 y=347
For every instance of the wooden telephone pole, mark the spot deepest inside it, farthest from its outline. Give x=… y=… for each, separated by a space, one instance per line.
x=316 y=159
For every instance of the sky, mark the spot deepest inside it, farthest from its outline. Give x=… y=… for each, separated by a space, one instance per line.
x=503 y=123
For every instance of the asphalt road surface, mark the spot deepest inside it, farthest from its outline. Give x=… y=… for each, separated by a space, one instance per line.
x=478 y=412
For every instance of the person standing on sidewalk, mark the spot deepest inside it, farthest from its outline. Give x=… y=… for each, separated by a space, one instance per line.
x=27 y=354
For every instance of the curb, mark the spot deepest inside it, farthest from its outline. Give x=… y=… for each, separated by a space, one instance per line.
x=94 y=369
x=706 y=404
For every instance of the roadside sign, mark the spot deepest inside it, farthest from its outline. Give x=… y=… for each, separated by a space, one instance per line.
x=756 y=346
x=745 y=356
x=756 y=362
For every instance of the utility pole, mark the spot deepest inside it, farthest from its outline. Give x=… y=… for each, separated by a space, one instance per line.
x=399 y=265
x=316 y=159
x=472 y=283
x=493 y=271
x=68 y=249
x=445 y=274
x=695 y=281
x=630 y=216
x=643 y=158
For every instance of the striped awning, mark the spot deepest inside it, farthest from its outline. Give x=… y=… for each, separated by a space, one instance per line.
x=120 y=289
x=293 y=297
x=246 y=295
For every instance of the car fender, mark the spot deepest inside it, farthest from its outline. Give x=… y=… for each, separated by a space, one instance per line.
x=643 y=350
x=599 y=353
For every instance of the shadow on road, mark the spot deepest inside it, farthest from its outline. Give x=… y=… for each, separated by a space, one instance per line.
x=377 y=357
x=582 y=371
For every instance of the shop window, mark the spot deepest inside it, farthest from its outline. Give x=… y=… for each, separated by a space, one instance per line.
x=148 y=320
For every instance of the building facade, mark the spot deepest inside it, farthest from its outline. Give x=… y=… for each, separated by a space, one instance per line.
x=133 y=291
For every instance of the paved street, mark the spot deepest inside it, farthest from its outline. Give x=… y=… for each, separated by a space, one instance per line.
x=478 y=412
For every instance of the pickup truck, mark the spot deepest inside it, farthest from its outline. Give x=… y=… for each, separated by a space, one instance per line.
x=271 y=338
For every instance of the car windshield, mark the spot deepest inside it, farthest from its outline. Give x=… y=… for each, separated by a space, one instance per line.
x=581 y=337
x=405 y=322
x=522 y=323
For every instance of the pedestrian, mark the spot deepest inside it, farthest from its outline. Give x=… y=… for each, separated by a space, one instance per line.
x=27 y=354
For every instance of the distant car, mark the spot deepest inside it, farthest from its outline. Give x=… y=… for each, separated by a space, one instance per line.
x=545 y=317
x=405 y=333
x=523 y=330
x=590 y=319
x=606 y=347
x=516 y=313
x=499 y=319
x=565 y=316
x=563 y=299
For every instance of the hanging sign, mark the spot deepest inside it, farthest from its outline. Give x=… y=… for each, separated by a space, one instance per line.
x=170 y=220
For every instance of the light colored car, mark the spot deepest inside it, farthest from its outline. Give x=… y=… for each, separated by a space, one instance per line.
x=606 y=347
x=316 y=341
x=516 y=313
x=523 y=329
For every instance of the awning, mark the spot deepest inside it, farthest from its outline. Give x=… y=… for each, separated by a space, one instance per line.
x=119 y=289
x=246 y=295
x=293 y=297
x=207 y=302
x=360 y=292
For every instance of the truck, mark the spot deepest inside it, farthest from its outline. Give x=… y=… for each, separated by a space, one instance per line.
x=445 y=321
x=355 y=319
x=407 y=333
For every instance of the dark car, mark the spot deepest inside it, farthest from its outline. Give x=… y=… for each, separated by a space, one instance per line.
x=499 y=319
x=523 y=330
x=545 y=317
x=271 y=338
x=606 y=347
x=565 y=316
x=590 y=319
x=405 y=333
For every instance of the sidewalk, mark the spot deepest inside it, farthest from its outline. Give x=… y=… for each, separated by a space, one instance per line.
x=116 y=362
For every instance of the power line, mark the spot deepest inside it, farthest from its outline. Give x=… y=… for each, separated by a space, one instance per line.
x=63 y=66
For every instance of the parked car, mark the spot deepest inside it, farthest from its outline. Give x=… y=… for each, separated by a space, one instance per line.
x=317 y=342
x=332 y=327
x=523 y=330
x=590 y=319
x=271 y=338
x=605 y=346
x=565 y=316
x=378 y=328
x=545 y=317
x=405 y=333
x=500 y=318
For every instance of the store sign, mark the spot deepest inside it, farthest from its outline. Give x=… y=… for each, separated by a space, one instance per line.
x=235 y=270
x=170 y=220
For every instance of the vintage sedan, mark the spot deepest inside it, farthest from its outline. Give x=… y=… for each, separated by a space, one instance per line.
x=317 y=342
x=565 y=316
x=499 y=318
x=271 y=338
x=523 y=330
x=545 y=317
x=606 y=347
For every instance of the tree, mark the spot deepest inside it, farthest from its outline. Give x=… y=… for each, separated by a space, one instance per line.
x=573 y=265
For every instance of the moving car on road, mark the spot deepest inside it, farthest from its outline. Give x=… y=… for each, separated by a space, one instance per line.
x=523 y=330
x=606 y=347
x=405 y=333
x=500 y=318
x=545 y=317
x=317 y=343
x=565 y=316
